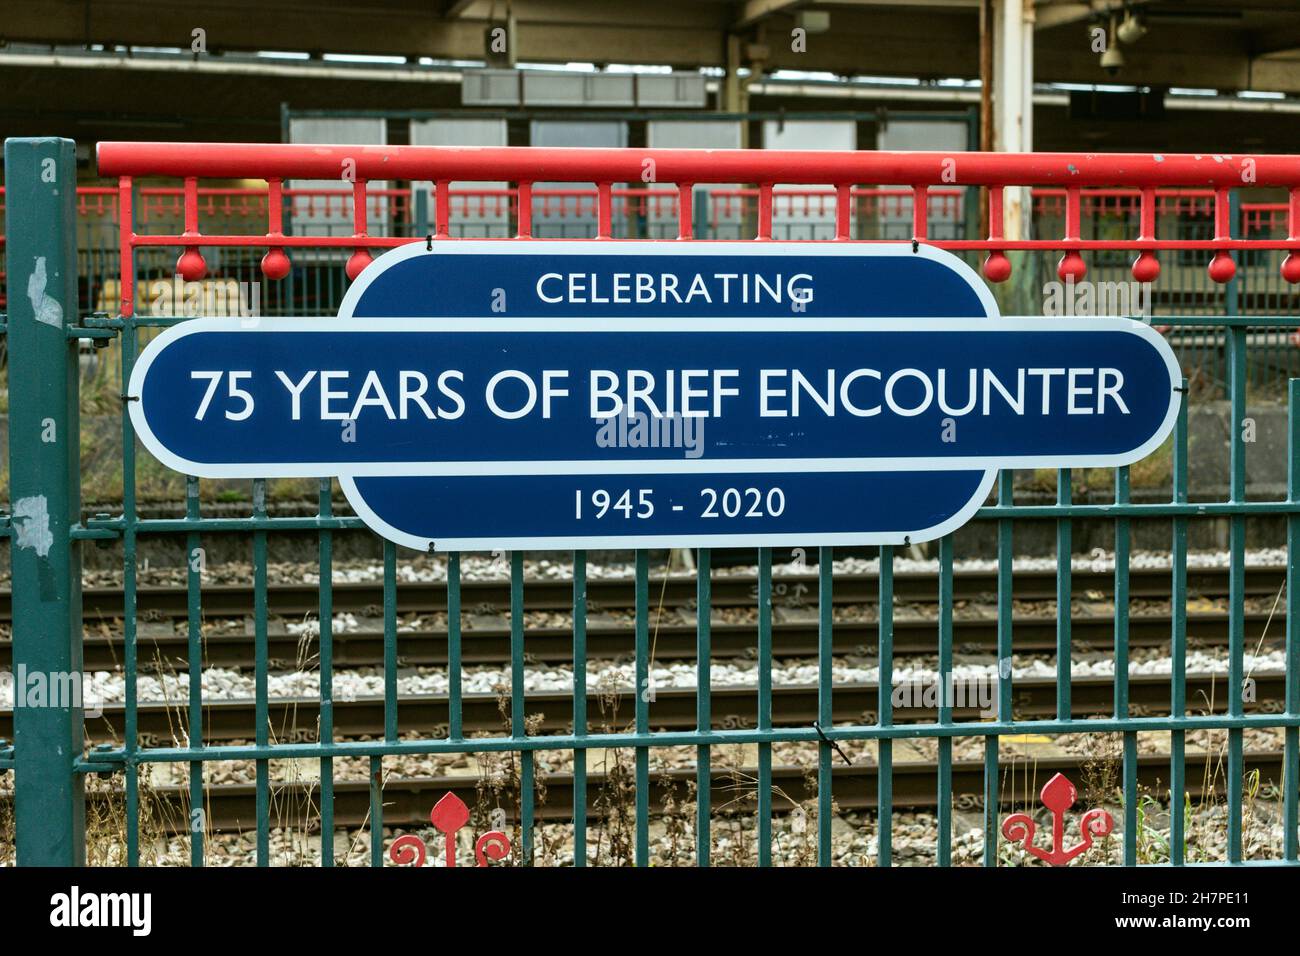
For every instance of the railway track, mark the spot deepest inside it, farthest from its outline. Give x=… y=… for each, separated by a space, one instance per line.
x=728 y=590
x=296 y=719
x=407 y=801
x=795 y=636
x=231 y=808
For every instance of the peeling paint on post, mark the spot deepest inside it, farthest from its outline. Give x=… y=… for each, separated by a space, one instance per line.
x=41 y=180
x=31 y=520
x=44 y=304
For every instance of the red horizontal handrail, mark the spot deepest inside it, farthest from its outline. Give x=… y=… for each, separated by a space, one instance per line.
x=830 y=167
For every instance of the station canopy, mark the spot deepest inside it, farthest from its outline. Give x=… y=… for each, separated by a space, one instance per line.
x=1224 y=45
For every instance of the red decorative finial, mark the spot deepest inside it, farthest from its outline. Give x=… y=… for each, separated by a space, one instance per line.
x=190 y=266
x=1146 y=267
x=997 y=267
x=357 y=263
x=275 y=264
x=1222 y=268
x=1058 y=795
x=448 y=816
x=1291 y=268
x=1071 y=267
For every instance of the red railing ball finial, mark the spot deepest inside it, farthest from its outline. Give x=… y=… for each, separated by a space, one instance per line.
x=1222 y=268
x=357 y=262
x=997 y=267
x=190 y=266
x=1291 y=268
x=1071 y=267
x=275 y=264
x=1146 y=267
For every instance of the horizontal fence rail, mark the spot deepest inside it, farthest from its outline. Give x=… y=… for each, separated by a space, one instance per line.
x=930 y=193
x=163 y=203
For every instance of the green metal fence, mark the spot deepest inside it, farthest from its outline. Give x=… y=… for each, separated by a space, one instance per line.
x=47 y=531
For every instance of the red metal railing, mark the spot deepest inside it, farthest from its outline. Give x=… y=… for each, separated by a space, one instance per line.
x=1127 y=202
x=162 y=203
x=918 y=173
x=820 y=203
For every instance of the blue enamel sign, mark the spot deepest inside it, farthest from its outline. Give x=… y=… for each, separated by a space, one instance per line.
x=599 y=394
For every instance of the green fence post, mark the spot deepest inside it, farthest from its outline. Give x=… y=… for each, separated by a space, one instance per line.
x=41 y=263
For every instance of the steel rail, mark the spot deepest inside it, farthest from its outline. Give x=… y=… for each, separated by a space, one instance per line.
x=295 y=600
x=673 y=641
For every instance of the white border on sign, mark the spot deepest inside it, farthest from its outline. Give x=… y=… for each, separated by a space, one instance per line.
x=564 y=543
x=442 y=326
x=664 y=247
x=695 y=248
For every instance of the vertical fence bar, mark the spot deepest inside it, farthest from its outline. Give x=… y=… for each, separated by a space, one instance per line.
x=376 y=778
x=524 y=210
x=943 y=854
x=1291 y=744
x=390 y=641
x=260 y=730
x=191 y=206
x=1232 y=291
x=421 y=212
x=45 y=492
x=455 y=728
x=130 y=351
x=825 y=711
x=885 y=708
x=685 y=211
x=580 y=707
x=1064 y=594
x=126 y=248
x=196 y=564
x=703 y=702
x=991 y=744
x=1178 y=642
x=764 y=706
x=1147 y=225
x=843 y=211
x=1236 y=584
x=326 y=733
x=643 y=691
x=702 y=216
x=390 y=704
x=604 y=211
x=518 y=726
x=764 y=211
x=920 y=212
x=130 y=348
x=442 y=209
x=1122 y=547
x=997 y=224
